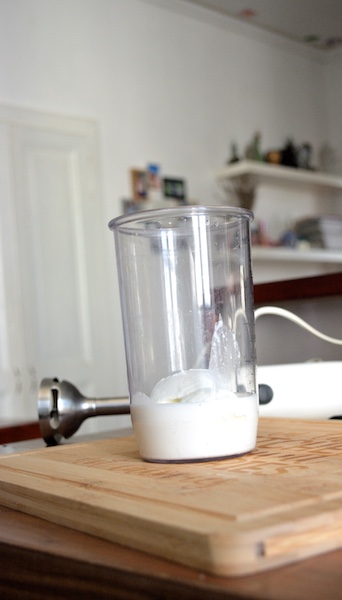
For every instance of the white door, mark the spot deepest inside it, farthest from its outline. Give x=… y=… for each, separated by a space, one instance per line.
x=53 y=292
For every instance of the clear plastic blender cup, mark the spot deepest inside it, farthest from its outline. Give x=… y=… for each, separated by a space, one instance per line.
x=188 y=316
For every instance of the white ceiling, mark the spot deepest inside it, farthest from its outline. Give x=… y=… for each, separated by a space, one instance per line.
x=312 y=22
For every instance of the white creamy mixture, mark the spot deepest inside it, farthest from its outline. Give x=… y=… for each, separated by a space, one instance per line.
x=191 y=415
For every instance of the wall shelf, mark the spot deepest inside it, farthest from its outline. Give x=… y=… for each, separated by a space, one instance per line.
x=311 y=255
x=279 y=174
x=274 y=262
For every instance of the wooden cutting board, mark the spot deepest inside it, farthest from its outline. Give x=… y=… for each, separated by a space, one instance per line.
x=278 y=504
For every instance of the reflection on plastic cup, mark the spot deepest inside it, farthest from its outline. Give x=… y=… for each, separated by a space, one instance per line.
x=187 y=306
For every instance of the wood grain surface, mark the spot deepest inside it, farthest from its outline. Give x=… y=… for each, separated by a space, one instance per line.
x=276 y=505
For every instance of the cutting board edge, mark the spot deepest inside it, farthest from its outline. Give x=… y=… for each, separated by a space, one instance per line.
x=215 y=553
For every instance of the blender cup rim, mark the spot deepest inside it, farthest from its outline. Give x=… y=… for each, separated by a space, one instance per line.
x=181 y=211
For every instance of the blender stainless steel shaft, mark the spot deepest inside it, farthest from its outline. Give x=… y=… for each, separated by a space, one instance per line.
x=62 y=409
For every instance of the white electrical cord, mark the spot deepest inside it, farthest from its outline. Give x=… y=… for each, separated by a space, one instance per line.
x=286 y=314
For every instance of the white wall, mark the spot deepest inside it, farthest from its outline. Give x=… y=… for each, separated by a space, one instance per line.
x=166 y=82
x=333 y=94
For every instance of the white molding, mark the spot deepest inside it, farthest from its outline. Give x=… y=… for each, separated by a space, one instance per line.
x=30 y=117
x=239 y=27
